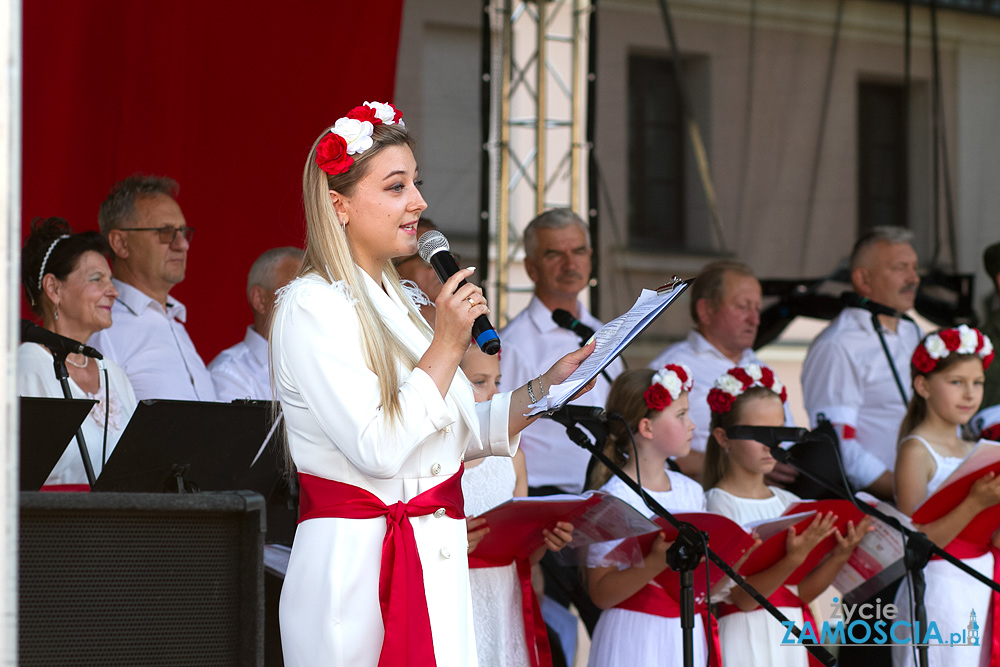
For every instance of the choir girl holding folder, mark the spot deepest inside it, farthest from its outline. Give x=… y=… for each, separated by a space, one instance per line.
x=751 y=395
x=948 y=373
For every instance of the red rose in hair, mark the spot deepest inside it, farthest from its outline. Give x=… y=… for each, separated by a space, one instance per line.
x=784 y=394
x=766 y=376
x=952 y=339
x=399 y=114
x=681 y=375
x=988 y=359
x=742 y=376
x=657 y=397
x=331 y=154
x=363 y=113
x=991 y=433
x=719 y=401
x=922 y=361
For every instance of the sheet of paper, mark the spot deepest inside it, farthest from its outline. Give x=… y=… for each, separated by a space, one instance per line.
x=612 y=338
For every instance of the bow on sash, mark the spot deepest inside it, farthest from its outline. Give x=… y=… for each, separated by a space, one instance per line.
x=655 y=601
x=405 y=618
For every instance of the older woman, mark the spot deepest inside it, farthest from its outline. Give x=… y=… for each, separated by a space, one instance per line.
x=68 y=283
x=379 y=418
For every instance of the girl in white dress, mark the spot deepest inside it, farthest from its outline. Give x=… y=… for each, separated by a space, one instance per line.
x=947 y=370
x=640 y=624
x=377 y=417
x=498 y=592
x=751 y=395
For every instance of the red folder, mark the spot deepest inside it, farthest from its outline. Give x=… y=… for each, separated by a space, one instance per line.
x=773 y=548
x=985 y=458
x=726 y=538
x=516 y=525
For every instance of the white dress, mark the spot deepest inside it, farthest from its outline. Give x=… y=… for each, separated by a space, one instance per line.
x=36 y=377
x=496 y=591
x=950 y=597
x=625 y=638
x=330 y=612
x=756 y=635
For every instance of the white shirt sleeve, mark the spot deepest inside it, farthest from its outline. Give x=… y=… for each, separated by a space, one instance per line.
x=318 y=358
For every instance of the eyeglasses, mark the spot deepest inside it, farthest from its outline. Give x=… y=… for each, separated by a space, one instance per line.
x=167 y=233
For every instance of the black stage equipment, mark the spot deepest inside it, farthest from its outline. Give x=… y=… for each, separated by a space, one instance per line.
x=109 y=579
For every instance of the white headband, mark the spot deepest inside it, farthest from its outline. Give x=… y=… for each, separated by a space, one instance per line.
x=41 y=271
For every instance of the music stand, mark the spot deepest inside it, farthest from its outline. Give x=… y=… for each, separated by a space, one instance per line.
x=48 y=425
x=185 y=446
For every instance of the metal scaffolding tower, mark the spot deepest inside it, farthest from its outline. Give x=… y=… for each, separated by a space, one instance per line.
x=536 y=78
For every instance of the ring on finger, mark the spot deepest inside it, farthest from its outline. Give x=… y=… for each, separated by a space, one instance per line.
x=472 y=302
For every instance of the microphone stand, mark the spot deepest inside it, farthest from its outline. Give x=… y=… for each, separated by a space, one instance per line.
x=685 y=553
x=917 y=549
x=62 y=374
x=888 y=357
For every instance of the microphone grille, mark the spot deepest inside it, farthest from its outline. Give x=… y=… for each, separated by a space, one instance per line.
x=430 y=243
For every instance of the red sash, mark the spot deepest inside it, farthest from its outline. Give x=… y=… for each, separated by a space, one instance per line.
x=655 y=601
x=535 y=634
x=782 y=597
x=62 y=488
x=962 y=549
x=401 y=595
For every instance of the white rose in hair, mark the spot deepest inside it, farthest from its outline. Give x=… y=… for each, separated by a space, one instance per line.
x=935 y=347
x=987 y=346
x=672 y=383
x=729 y=384
x=753 y=370
x=357 y=134
x=777 y=386
x=969 y=340
x=384 y=113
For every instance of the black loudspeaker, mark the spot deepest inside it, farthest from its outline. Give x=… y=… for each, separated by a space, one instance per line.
x=111 y=579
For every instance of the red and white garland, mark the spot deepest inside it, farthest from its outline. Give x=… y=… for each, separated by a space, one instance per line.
x=737 y=380
x=668 y=384
x=352 y=135
x=962 y=339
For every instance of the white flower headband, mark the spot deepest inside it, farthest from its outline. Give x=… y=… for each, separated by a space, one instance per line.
x=667 y=386
x=737 y=380
x=962 y=339
x=352 y=135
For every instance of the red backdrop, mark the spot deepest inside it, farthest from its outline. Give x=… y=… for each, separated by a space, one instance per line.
x=224 y=97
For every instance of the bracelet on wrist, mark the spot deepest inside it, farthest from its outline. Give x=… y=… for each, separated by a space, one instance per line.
x=531 y=394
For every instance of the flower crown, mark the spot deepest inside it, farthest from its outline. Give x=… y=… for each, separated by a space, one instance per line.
x=668 y=384
x=352 y=135
x=962 y=339
x=737 y=380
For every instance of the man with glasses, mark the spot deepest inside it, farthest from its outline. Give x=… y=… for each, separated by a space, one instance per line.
x=149 y=240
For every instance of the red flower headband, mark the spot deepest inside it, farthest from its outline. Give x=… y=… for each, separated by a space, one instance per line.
x=668 y=385
x=352 y=134
x=961 y=340
x=737 y=380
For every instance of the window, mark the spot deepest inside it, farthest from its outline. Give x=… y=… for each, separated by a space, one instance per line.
x=656 y=197
x=882 y=156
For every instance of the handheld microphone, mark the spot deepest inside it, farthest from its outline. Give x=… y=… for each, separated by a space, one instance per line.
x=32 y=333
x=565 y=319
x=434 y=249
x=855 y=300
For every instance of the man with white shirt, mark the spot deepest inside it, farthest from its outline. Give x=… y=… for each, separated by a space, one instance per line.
x=847 y=376
x=149 y=240
x=725 y=305
x=557 y=259
x=242 y=371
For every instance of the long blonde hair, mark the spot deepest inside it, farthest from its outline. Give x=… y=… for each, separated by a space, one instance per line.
x=329 y=256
